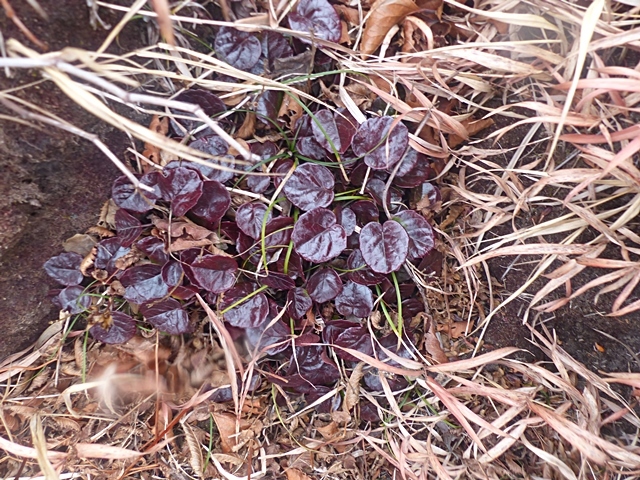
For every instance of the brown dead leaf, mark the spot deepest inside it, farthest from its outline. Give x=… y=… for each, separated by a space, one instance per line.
x=328 y=431
x=152 y=152
x=87 y=261
x=455 y=329
x=290 y=110
x=101 y=232
x=108 y=215
x=232 y=150
x=81 y=244
x=248 y=127
x=432 y=344
x=226 y=424
x=348 y=14
x=352 y=393
x=295 y=474
x=473 y=127
x=385 y=14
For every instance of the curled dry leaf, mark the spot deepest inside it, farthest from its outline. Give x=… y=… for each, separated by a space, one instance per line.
x=385 y=14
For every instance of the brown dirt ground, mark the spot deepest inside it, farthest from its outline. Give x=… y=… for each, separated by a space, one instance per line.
x=52 y=184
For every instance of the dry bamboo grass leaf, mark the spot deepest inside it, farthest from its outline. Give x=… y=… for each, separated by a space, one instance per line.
x=40 y=444
x=383 y=16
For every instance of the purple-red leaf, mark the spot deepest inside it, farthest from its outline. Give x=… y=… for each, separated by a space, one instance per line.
x=417 y=175
x=73 y=301
x=250 y=217
x=366 y=211
x=182 y=187
x=107 y=252
x=209 y=102
x=251 y=313
x=126 y=196
x=213 y=145
x=144 y=284
x=267 y=106
x=275 y=46
x=310 y=186
x=317 y=237
x=213 y=273
x=65 y=268
x=128 y=227
x=355 y=301
x=213 y=203
x=360 y=272
x=300 y=303
x=241 y=50
x=347 y=218
x=384 y=247
x=381 y=149
x=278 y=281
x=306 y=143
x=324 y=285
x=317 y=17
x=122 y=328
x=153 y=248
x=276 y=334
x=348 y=335
x=167 y=316
x=333 y=132
x=421 y=236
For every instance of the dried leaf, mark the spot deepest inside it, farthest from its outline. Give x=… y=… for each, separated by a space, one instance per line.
x=352 y=393
x=295 y=474
x=385 y=14
x=226 y=424
x=473 y=127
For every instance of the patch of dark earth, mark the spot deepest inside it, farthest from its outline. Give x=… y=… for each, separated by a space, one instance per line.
x=52 y=184
x=583 y=329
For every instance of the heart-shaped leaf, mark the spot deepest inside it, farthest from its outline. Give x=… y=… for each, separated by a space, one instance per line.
x=360 y=272
x=213 y=145
x=366 y=211
x=128 y=227
x=316 y=236
x=108 y=251
x=278 y=281
x=119 y=328
x=262 y=337
x=381 y=149
x=417 y=175
x=213 y=203
x=153 y=248
x=347 y=218
x=421 y=236
x=65 y=268
x=241 y=50
x=355 y=301
x=384 y=247
x=324 y=285
x=144 y=284
x=317 y=17
x=126 y=196
x=310 y=186
x=182 y=187
x=172 y=273
x=306 y=143
x=348 y=335
x=213 y=273
x=300 y=303
x=73 y=300
x=251 y=312
x=250 y=218
x=267 y=106
x=333 y=131
x=167 y=316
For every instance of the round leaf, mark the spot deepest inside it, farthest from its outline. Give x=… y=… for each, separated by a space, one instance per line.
x=128 y=227
x=250 y=217
x=360 y=272
x=182 y=187
x=317 y=17
x=384 y=247
x=73 y=301
x=167 y=316
x=381 y=149
x=241 y=50
x=355 y=301
x=213 y=145
x=214 y=273
x=421 y=236
x=316 y=236
x=310 y=186
x=324 y=285
x=120 y=329
x=251 y=313
x=144 y=284
x=213 y=203
x=333 y=132
x=126 y=196
x=65 y=268
x=300 y=303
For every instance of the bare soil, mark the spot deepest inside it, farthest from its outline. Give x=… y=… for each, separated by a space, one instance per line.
x=52 y=184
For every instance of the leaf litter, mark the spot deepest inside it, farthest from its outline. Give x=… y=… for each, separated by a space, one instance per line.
x=269 y=331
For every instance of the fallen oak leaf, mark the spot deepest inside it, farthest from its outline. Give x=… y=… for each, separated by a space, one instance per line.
x=384 y=15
